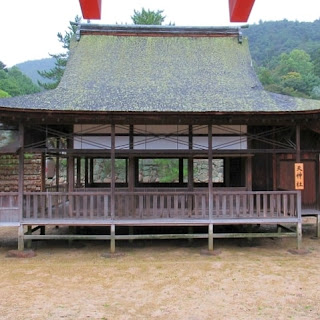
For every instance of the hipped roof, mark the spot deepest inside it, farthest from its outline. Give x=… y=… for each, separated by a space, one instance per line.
x=160 y=69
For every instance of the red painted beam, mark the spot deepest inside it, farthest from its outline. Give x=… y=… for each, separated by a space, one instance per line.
x=240 y=10
x=91 y=9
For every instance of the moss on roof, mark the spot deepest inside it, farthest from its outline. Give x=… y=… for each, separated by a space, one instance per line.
x=145 y=73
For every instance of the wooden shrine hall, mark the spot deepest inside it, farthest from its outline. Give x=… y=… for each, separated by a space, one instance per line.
x=159 y=126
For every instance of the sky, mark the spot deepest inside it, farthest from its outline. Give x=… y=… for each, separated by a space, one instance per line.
x=28 y=28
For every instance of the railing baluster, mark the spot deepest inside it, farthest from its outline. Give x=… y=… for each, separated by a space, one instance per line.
x=292 y=206
x=49 y=202
x=106 y=206
x=265 y=205
x=285 y=205
x=251 y=205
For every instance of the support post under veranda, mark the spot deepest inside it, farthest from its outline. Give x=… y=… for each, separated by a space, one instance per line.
x=210 y=237
x=21 y=237
x=112 y=238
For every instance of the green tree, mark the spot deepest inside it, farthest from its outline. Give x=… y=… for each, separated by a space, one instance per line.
x=14 y=82
x=292 y=74
x=296 y=61
x=55 y=74
x=148 y=17
x=4 y=94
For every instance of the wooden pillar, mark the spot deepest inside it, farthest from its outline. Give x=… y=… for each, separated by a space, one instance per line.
x=112 y=238
x=21 y=187
x=43 y=172
x=91 y=170
x=249 y=174
x=298 y=148
x=113 y=174
x=299 y=224
x=190 y=174
x=86 y=172
x=210 y=237
x=274 y=163
x=78 y=172
x=210 y=187
x=21 y=237
x=58 y=165
x=190 y=161
x=70 y=176
x=70 y=173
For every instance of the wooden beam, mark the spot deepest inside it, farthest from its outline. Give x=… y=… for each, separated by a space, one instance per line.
x=91 y=9
x=240 y=10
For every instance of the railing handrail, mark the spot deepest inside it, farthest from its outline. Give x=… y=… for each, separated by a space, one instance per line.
x=166 y=192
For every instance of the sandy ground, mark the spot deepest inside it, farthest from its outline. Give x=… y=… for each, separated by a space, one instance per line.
x=161 y=280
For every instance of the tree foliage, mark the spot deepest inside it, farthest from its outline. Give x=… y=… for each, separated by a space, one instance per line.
x=55 y=74
x=270 y=39
x=148 y=17
x=13 y=82
x=291 y=73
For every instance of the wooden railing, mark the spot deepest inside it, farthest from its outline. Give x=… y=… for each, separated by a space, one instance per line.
x=9 y=200
x=140 y=205
x=9 y=207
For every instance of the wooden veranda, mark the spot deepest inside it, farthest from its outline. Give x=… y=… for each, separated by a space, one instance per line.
x=155 y=208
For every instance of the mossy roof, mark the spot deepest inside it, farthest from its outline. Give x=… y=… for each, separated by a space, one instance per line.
x=122 y=72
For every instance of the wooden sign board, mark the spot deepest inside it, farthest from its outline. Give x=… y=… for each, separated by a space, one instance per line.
x=299 y=176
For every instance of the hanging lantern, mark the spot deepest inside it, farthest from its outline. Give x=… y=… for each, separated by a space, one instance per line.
x=50 y=168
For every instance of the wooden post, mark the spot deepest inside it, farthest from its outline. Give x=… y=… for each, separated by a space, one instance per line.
x=112 y=238
x=299 y=224
x=21 y=169
x=43 y=172
x=274 y=163
x=249 y=174
x=29 y=242
x=78 y=172
x=190 y=174
x=70 y=178
x=113 y=174
x=58 y=165
x=86 y=173
x=21 y=237
x=210 y=187
x=298 y=149
x=210 y=237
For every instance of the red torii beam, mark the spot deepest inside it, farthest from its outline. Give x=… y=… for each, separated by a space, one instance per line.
x=91 y=9
x=239 y=9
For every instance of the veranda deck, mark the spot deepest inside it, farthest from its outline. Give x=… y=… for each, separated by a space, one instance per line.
x=156 y=208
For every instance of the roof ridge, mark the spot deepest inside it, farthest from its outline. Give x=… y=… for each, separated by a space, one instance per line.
x=155 y=30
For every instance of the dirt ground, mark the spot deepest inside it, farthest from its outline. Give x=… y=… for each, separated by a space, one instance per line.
x=161 y=280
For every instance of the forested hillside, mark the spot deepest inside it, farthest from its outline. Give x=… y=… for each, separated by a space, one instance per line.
x=271 y=38
x=287 y=56
x=13 y=82
x=31 y=68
